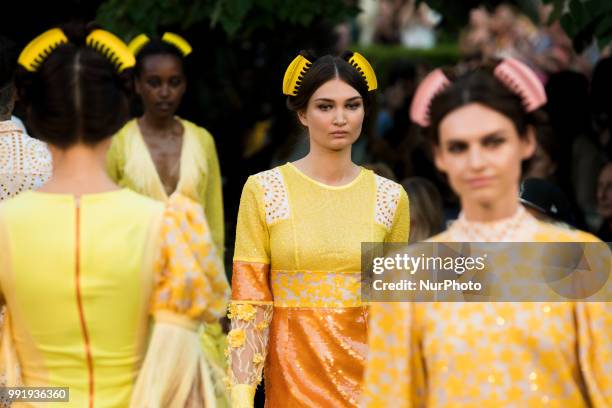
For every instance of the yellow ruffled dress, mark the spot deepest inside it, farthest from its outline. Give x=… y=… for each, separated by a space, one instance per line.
x=106 y=295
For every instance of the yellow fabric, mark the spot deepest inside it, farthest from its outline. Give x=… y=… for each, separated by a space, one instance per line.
x=249 y=335
x=118 y=236
x=191 y=281
x=242 y=396
x=129 y=163
x=151 y=262
x=491 y=354
x=292 y=225
x=175 y=373
x=191 y=286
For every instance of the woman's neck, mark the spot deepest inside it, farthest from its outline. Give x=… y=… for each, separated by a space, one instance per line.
x=157 y=123
x=492 y=212
x=334 y=168
x=79 y=170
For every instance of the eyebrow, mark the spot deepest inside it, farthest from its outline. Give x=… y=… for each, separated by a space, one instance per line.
x=331 y=100
x=496 y=133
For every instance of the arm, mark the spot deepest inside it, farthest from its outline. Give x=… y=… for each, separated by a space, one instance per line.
x=189 y=289
x=394 y=373
x=251 y=306
x=400 y=229
x=595 y=350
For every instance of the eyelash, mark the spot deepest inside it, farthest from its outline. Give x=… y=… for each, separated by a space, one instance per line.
x=351 y=106
x=494 y=142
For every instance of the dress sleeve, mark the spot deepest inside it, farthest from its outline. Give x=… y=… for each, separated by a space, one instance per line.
x=595 y=350
x=190 y=288
x=400 y=228
x=114 y=167
x=10 y=369
x=394 y=374
x=251 y=306
x=213 y=196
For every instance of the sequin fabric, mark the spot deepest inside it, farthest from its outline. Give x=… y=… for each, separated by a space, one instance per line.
x=296 y=264
x=25 y=163
x=491 y=354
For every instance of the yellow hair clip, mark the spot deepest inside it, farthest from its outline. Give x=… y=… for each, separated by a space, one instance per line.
x=363 y=66
x=109 y=45
x=179 y=42
x=138 y=42
x=294 y=74
x=40 y=47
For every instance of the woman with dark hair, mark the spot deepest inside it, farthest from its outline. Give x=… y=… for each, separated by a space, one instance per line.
x=479 y=354
x=159 y=153
x=296 y=306
x=25 y=163
x=85 y=264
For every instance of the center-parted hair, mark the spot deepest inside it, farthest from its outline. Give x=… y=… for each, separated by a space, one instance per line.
x=76 y=95
x=324 y=69
x=480 y=85
x=156 y=47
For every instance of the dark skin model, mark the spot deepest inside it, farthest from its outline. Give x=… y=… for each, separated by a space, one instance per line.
x=161 y=85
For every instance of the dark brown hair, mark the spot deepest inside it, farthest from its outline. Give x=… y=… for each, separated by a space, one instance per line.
x=156 y=47
x=324 y=69
x=426 y=210
x=480 y=85
x=76 y=95
x=8 y=64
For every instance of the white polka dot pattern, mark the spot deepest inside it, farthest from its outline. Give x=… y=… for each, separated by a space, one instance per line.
x=276 y=200
x=387 y=199
x=25 y=163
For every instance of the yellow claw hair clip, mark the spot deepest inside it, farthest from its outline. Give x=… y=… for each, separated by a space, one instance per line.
x=178 y=41
x=138 y=42
x=363 y=66
x=111 y=46
x=294 y=74
x=40 y=47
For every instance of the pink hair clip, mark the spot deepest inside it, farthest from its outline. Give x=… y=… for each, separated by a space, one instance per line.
x=434 y=83
x=522 y=81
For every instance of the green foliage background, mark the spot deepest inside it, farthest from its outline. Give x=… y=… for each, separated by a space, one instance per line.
x=242 y=47
x=235 y=17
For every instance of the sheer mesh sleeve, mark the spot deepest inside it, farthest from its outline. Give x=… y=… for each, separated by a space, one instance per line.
x=251 y=307
x=248 y=341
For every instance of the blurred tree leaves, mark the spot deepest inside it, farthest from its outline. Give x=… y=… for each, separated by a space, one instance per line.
x=235 y=17
x=584 y=21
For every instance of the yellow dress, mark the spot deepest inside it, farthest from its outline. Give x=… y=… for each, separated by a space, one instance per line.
x=129 y=164
x=556 y=354
x=81 y=282
x=296 y=303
